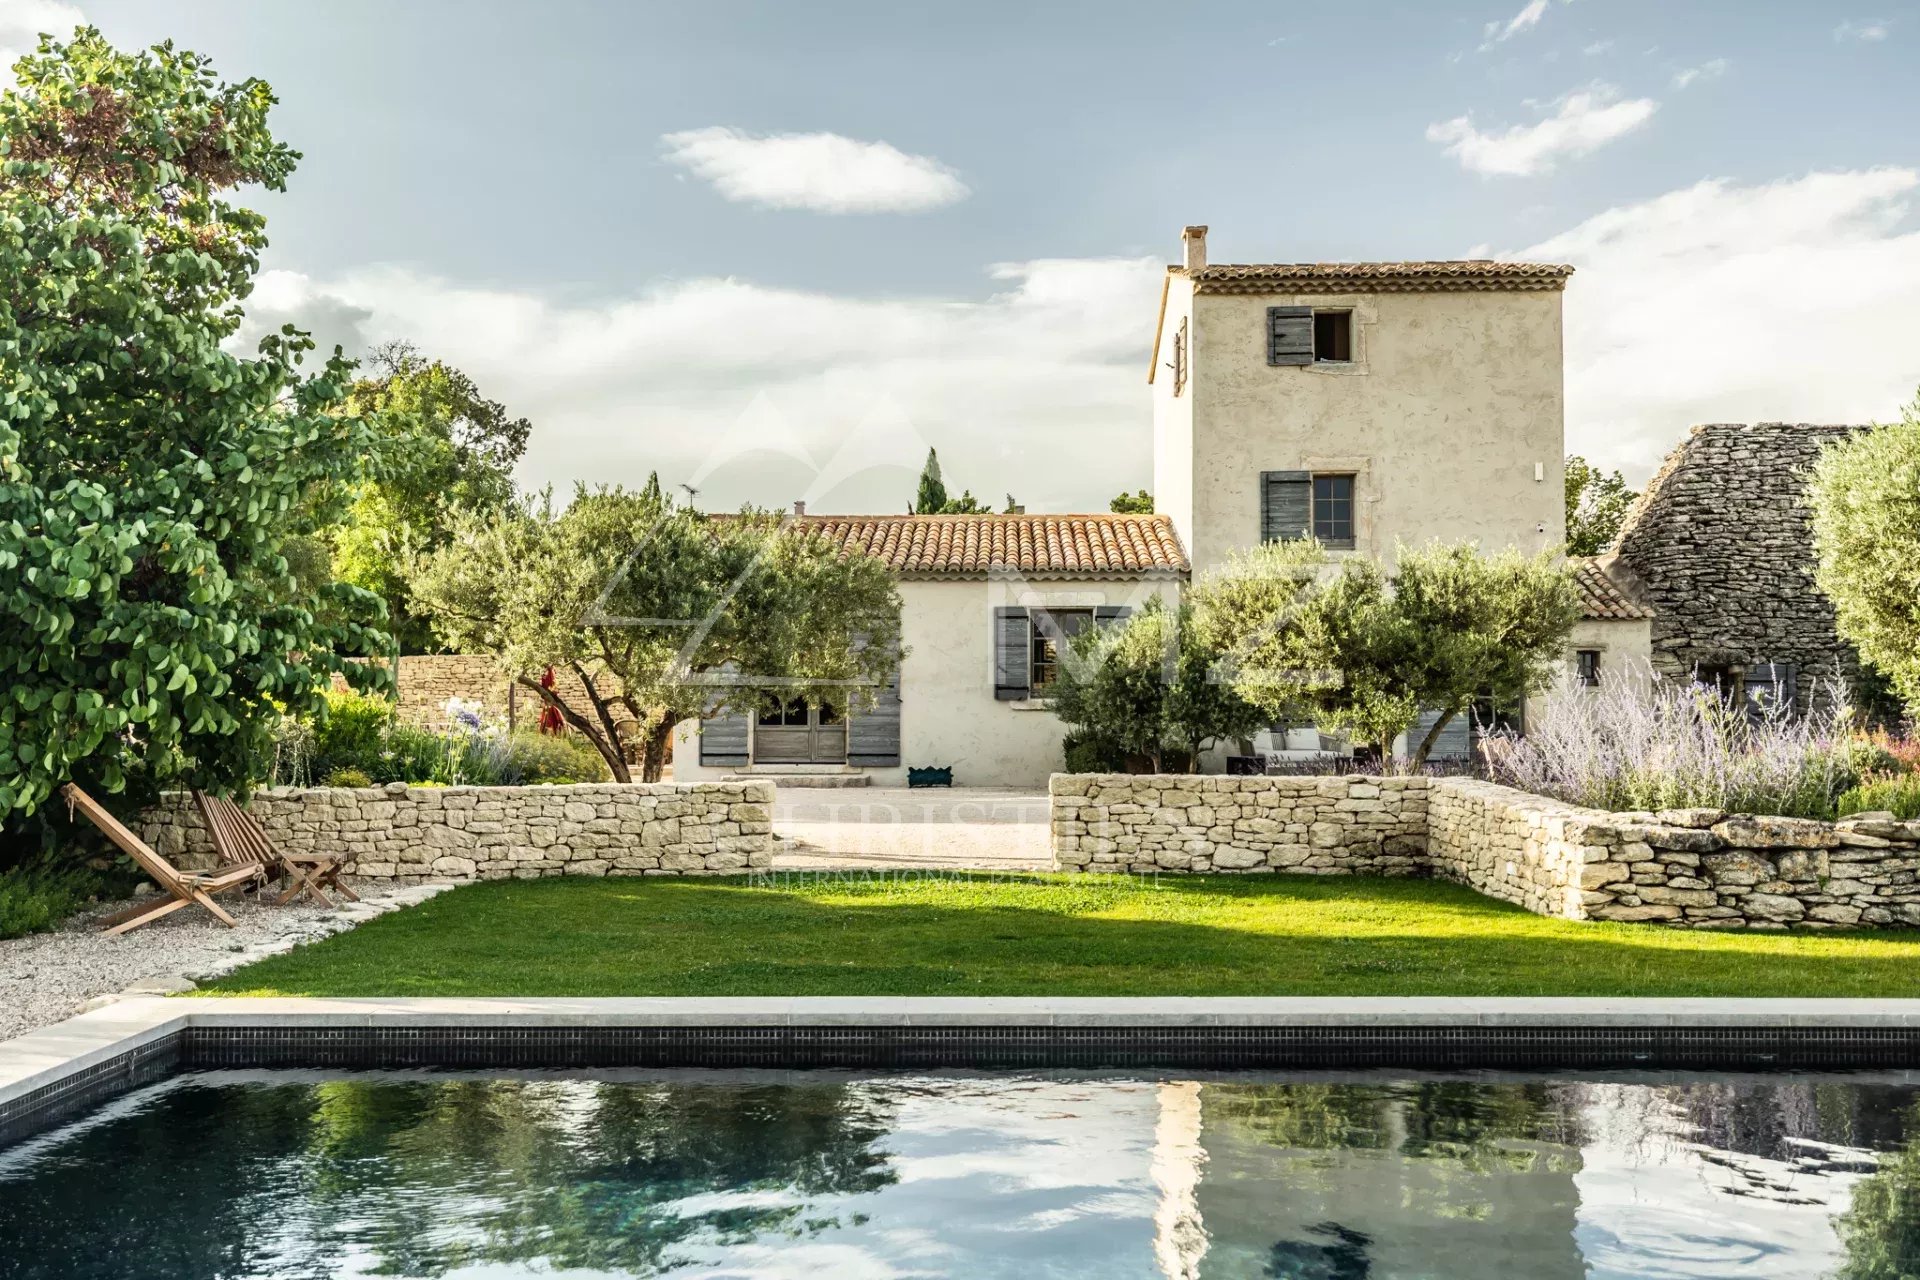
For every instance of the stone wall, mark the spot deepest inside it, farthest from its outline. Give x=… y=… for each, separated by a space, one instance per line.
x=1181 y=822
x=1722 y=547
x=1697 y=868
x=426 y=680
x=408 y=834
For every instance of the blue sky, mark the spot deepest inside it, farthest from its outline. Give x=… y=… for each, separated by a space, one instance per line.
x=778 y=249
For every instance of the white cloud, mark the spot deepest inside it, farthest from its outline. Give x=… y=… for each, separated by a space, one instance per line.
x=1582 y=122
x=1496 y=32
x=1711 y=69
x=754 y=392
x=1597 y=47
x=1793 y=301
x=1869 y=32
x=23 y=21
x=823 y=172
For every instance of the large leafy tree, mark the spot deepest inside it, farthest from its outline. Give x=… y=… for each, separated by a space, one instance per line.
x=1150 y=684
x=661 y=613
x=1865 y=497
x=1132 y=504
x=148 y=475
x=441 y=448
x=1366 y=651
x=1597 y=504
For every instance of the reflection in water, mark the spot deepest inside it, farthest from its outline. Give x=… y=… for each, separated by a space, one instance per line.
x=822 y=1175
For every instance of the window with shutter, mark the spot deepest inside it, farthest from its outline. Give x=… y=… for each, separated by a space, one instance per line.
x=1289 y=335
x=1333 y=511
x=1012 y=637
x=1286 y=505
x=1180 y=359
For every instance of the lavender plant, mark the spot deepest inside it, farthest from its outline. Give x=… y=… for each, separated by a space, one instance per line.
x=1641 y=742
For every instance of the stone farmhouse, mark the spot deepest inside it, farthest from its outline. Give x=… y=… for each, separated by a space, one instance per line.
x=1366 y=404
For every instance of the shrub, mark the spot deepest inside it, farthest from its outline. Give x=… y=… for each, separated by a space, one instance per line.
x=353 y=732
x=38 y=896
x=1901 y=796
x=541 y=757
x=349 y=778
x=1088 y=753
x=1638 y=742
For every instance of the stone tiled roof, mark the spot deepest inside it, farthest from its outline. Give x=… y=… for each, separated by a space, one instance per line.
x=1607 y=589
x=1464 y=276
x=1067 y=546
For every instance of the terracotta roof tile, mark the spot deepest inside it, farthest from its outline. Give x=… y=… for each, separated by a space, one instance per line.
x=1078 y=546
x=1607 y=589
x=1464 y=276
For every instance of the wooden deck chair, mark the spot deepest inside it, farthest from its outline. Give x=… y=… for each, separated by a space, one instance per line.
x=241 y=842
x=182 y=888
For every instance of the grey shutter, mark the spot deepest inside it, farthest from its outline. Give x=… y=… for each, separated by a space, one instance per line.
x=1286 y=505
x=1107 y=614
x=723 y=742
x=1766 y=681
x=1289 y=335
x=1012 y=654
x=1455 y=741
x=873 y=734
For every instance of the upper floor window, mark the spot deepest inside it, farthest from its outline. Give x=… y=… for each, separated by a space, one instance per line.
x=1332 y=337
x=1298 y=504
x=1302 y=335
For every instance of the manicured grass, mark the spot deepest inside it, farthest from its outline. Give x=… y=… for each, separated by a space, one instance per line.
x=1048 y=935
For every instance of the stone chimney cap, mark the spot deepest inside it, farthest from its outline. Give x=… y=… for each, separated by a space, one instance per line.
x=1195 y=240
x=799 y=506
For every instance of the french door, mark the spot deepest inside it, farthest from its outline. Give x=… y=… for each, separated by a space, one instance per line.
x=800 y=732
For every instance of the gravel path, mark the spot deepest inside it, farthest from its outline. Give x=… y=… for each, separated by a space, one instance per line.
x=45 y=977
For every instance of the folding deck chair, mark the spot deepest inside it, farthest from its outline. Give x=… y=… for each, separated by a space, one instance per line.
x=242 y=842
x=182 y=888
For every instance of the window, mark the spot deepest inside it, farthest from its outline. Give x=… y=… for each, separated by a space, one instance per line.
x=1333 y=510
x=1180 y=358
x=1332 y=337
x=1053 y=632
x=1587 y=666
x=1296 y=504
x=789 y=713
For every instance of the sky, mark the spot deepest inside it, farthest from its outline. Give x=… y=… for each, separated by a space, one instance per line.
x=776 y=251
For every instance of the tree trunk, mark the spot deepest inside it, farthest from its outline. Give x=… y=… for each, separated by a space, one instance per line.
x=607 y=745
x=1433 y=735
x=655 y=748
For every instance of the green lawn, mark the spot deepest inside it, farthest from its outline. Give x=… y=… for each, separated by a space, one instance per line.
x=1048 y=935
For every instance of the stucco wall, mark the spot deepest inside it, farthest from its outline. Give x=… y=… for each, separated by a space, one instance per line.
x=1625 y=644
x=1451 y=401
x=948 y=714
x=406 y=834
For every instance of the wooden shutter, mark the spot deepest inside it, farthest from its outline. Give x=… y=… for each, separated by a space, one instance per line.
x=723 y=742
x=1012 y=654
x=1289 y=335
x=1455 y=741
x=1286 y=505
x=873 y=735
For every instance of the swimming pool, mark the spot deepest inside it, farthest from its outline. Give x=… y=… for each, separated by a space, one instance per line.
x=248 y=1174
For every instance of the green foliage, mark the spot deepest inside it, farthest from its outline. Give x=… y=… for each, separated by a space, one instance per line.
x=39 y=895
x=1132 y=504
x=1597 y=505
x=1880 y=1228
x=1086 y=752
x=348 y=777
x=1365 y=652
x=151 y=625
x=931 y=499
x=1865 y=497
x=1150 y=686
x=350 y=730
x=1898 y=795
x=440 y=447
x=547 y=758
x=606 y=587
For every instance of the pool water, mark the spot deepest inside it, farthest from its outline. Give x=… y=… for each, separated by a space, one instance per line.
x=822 y=1176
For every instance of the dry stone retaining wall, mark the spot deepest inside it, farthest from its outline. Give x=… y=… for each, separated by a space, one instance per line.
x=1698 y=868
x=407 y=834
x=1182 y=822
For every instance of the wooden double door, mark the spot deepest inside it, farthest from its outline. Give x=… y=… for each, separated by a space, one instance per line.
x=800 y=732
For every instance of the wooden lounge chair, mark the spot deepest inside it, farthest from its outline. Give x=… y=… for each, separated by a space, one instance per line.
x=242 y=842
x=183 y=888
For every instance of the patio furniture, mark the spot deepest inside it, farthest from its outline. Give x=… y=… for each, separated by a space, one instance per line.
x=241 y=841
x=182 y=888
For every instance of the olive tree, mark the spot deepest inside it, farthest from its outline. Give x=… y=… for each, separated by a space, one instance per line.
x=1865 y=497
x=152 y=626
x=660 y=613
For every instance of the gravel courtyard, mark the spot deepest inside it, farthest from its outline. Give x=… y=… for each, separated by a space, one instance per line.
x=930 y=829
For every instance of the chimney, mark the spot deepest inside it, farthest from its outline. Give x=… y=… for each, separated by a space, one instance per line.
x=799 y=506
x=1195 y=239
